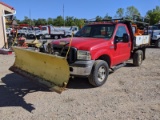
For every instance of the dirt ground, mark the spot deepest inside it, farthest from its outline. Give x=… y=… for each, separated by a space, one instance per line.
x=130 y=93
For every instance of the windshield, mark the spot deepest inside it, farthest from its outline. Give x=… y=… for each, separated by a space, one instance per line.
x=153 y=28
x=36 y=29
x=96 y=31
x=134 y=29
x=44 y=28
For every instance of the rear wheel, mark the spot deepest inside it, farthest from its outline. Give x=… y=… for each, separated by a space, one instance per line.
x=138 y=57
x=158 y=43
x=99 y=73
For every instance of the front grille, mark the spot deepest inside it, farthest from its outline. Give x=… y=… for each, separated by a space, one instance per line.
x=62 y=51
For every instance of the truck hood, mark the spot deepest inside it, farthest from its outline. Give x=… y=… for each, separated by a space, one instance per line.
x=83 y=43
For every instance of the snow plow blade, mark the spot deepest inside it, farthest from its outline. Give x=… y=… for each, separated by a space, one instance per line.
x=46 y=69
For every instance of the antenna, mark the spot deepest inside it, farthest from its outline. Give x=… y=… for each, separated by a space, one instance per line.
x=63 y=16
x=30 y=17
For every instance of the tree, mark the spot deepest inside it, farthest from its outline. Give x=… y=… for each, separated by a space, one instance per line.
x=26 y=20
x=79 y=22
x=131 y=11
x=58 y=21
x=50 y=21
x=154 y=15
x=98 y=18
x=107 y=17
x=120 y=13
x=41 y=21
x=69 y=21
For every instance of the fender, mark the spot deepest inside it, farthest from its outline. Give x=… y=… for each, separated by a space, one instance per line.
x=100 y=53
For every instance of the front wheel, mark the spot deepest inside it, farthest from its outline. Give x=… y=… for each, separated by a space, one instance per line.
x=137 y=58
x=99 y=73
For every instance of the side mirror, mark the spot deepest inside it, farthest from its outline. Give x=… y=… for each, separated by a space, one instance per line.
x=125 y=37
x=116 y=39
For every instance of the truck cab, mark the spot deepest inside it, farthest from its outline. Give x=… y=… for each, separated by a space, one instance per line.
x=70 y=31
x=23 y=31
x=154 y=31
x=31 y=33
x=101 y=46
x=8 y=31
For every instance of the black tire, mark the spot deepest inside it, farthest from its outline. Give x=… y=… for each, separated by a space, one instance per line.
x=138 y=58
x=60 y=37
x=23 y=35
x=41 y=37
x=157 y=44
x=56 y=37
x=31 y=36
x=99 y=73
x=68 y=36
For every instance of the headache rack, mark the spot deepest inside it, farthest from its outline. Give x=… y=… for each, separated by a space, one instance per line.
x=141 y=22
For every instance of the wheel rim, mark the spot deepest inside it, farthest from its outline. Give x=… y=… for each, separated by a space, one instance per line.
x=40 y=37
x=159 y=43
x=101 y=74
x=56 y=37
x=140 y=59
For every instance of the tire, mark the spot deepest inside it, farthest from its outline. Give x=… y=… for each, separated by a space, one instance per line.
x=138 y=58
x=31 y=36
x=41 y=37
x=56 y=37
x=68 y=36
x=23 y=35
x=60 y=37
x=157 y=44
x=99 y=73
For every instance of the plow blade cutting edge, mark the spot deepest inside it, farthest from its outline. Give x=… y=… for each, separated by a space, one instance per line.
x=49 y=70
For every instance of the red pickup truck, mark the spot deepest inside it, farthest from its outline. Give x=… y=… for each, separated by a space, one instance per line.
x=93 y=52
x=100 y=47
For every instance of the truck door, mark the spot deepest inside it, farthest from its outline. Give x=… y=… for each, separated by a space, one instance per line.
x=122 y=48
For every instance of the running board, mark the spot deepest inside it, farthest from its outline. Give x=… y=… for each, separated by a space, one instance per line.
x=118 y=66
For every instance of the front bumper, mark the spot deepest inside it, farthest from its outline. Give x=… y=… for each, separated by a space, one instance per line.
x=81 y=68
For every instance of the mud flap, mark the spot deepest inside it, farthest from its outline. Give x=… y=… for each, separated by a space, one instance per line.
x=49 y=70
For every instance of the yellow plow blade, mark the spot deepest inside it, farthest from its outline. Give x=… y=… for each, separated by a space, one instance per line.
x=49 y=70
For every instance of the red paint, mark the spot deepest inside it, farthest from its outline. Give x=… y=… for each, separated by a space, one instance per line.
x=117 y=53
x=2 y=3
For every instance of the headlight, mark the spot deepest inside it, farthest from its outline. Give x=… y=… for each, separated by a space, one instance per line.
x=83 y=55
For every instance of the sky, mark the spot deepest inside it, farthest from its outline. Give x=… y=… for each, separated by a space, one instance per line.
x=87 y=9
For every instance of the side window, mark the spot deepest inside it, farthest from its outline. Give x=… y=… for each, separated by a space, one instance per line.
x=120 y=31
x=134 y=29
x=75 y=29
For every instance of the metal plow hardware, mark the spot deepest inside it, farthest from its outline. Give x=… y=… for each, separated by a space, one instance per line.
x=49 y=70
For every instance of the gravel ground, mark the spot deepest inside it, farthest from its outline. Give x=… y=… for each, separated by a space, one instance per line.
x=130 y=93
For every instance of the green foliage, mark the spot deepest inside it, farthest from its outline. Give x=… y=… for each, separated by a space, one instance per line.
x=58 y=21
x=99 y=18
x=132 y=11
x=120 y=13
x=107 y=17
x=154 y=15
x=41 y=21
